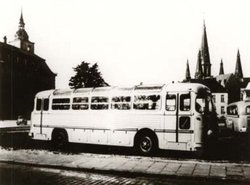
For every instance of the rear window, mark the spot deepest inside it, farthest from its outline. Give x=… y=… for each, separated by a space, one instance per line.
x=45 y=104
x=38 y=104
x=232 y=110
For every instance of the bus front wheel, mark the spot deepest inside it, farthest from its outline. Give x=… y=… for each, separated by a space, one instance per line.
x=146 y=144
x=59 y=138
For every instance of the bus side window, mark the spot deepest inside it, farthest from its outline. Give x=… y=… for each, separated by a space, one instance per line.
x=185 y=102
x=171 y=102
x=38 y=104
x=147 y=102
x=80 y=103
x=99 y=103
x=61 y=104
x=121 y=102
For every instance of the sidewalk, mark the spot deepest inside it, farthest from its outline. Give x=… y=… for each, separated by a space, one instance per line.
x=129 y=165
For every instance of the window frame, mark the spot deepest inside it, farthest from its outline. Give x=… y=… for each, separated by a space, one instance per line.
x=80 y=105
x=63 y=105
x=147 y=104
x=175 y=102
x=124 y=102
x=100 y=105
x=182 y=102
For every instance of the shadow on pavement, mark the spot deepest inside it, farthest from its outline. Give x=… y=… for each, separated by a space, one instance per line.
x=234 y=149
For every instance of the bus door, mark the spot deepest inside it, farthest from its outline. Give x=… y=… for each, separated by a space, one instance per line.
x=42 y=106
x=177 y=127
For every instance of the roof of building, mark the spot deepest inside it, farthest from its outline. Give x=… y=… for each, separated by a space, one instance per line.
x=211 y=83
x=14 y=49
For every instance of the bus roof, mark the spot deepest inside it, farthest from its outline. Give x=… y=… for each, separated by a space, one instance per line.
x=154 y=88
x=185 y=87
x=243 y=102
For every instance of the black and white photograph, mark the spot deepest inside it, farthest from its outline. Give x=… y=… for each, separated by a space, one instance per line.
x=108 y=92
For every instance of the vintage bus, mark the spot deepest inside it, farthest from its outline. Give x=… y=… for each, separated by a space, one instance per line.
x=238 y=116
x=177 y=116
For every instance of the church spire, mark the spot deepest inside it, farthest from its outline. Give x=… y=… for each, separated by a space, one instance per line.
x=21 y=34
x=22 y=38
x=188 y=76
x=198 y=71
x=238 y=69
x=221 y=68
x=21 y=22
x=205 y=58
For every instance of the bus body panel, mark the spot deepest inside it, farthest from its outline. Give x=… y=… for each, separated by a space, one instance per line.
x=178 y=130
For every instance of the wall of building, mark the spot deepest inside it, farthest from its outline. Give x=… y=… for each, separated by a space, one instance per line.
x=221 y=101
x=22 y=75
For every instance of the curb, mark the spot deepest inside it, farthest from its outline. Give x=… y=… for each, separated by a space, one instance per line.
x=126 y=173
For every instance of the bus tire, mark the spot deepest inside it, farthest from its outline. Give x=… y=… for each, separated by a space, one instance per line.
x=146 y=143
x=59 y=138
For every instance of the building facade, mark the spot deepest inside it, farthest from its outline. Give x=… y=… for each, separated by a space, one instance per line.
x=22 y=75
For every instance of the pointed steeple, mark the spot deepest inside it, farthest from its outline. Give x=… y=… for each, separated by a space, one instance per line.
x=21 y=33
x=221 y=68
x=198 y=71
x=22 y=38
x=205 y=58
x=188 y=76
x=238 y=69
x=21 y=22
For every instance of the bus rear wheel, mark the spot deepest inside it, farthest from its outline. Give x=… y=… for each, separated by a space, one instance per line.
x=59 y=139
x=146 y=144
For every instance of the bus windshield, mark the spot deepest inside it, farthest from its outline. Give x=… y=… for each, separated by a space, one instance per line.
x=203 y=104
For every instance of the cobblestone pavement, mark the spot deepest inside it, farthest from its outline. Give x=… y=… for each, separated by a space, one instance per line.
x=23 y=175
x=117 y=164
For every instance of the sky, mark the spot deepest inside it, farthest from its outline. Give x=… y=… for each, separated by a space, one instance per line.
x=132 y=41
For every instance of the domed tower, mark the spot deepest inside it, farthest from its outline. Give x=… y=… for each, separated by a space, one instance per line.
x=22 y=38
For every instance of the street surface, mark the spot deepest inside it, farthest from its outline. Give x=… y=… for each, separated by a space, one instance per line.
x=22 y=175
x=228 y=161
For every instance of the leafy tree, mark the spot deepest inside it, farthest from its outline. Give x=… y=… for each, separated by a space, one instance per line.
x=86 y=76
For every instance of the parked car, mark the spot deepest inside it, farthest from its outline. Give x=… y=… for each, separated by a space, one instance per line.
x=238 y=116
